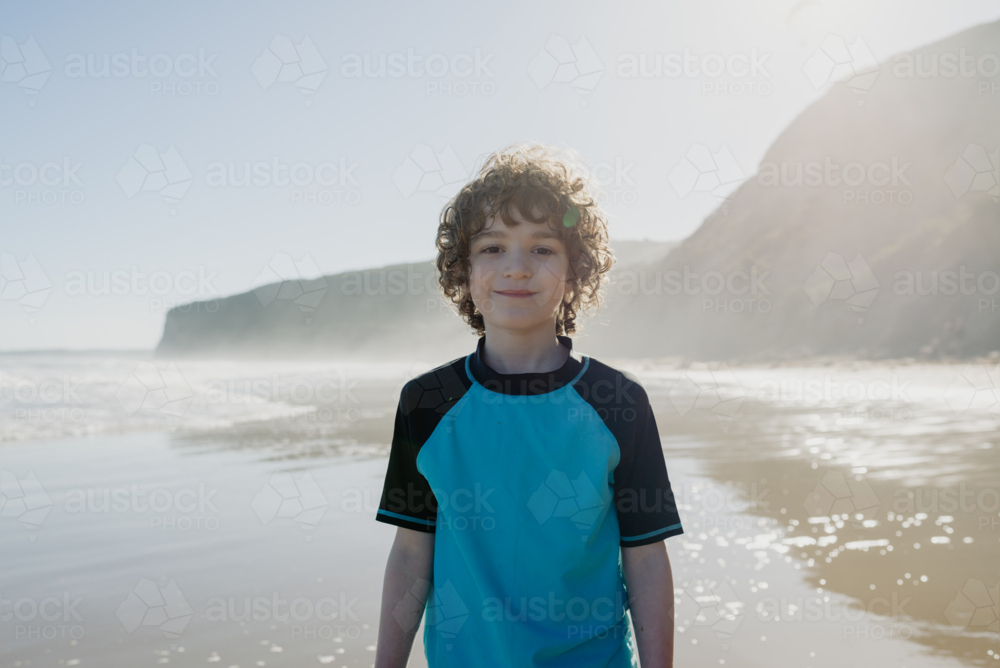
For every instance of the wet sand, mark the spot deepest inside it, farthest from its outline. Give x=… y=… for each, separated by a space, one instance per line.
x=775 y=568
x=889 y=504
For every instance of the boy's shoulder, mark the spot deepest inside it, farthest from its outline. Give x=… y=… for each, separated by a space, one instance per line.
x=603 y=370
x=438 y=389
x=603 y=384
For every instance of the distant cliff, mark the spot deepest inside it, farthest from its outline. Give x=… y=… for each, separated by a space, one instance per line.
x=390 y=313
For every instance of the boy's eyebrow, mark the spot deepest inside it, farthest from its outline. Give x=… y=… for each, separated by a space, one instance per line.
x=544 y=233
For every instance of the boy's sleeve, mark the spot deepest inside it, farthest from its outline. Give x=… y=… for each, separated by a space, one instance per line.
x=644 y=500
x=407 y=500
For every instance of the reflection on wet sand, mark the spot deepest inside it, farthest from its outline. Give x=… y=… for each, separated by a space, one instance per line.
x=894 y=505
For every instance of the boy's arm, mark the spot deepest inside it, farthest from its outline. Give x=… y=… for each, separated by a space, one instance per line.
x=650 y=585
x=408 y=575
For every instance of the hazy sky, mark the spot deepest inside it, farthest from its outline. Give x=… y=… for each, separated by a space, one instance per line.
x=137 y=174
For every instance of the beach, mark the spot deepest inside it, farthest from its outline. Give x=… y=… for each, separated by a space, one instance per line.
x=833 y=513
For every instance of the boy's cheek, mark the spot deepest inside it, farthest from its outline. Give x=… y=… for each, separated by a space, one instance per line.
x=480 y=289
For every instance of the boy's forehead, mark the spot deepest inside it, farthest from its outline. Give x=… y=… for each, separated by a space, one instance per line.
x=514 y=212
x=495 y=227
x=535 y=230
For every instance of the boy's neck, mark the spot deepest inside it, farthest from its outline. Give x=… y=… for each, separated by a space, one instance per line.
x=509 y=352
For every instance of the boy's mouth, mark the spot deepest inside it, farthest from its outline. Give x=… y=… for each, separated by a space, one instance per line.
x=515 y=293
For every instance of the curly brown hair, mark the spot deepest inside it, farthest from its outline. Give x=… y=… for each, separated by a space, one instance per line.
x=531 y=178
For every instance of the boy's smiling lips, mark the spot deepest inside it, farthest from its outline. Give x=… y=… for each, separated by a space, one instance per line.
x=515 y=293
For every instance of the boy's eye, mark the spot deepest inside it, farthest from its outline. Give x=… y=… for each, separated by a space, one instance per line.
x=489 y=250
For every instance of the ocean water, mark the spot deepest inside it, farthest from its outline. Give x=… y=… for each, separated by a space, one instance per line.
x=841 y=512
x=46 y=395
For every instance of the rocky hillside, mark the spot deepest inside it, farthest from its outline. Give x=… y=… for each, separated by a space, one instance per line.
x=872 y=225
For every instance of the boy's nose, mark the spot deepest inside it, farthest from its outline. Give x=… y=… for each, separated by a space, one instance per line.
x=517 y=264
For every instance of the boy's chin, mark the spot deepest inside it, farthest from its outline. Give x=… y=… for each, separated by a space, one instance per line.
x=516 y=321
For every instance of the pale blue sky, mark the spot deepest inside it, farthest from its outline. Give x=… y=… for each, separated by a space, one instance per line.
x=235 y=114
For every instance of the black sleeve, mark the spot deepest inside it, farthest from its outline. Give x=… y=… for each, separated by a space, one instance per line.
x=407 y=500
x=647 y=512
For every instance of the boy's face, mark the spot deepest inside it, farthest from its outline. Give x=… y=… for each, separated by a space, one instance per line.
x=518 y=277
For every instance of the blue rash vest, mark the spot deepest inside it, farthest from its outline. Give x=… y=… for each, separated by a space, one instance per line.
x=531 y=483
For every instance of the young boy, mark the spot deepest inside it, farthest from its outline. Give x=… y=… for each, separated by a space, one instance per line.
x=527 y=480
